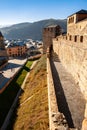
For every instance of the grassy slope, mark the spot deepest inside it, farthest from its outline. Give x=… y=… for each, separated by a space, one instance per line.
x=33 y=109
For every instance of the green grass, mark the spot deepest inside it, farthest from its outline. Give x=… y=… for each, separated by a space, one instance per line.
x=32 y=113
x=21 y=76
x=7 y=97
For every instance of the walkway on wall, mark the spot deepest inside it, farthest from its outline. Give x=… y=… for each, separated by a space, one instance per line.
x=70 y=101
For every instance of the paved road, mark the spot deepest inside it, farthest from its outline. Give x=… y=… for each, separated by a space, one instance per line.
x=11 y=68
x=69 y=97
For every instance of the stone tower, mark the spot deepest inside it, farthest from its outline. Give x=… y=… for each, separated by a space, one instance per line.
x=77 y=27
x=77 y=22
x=49 y=33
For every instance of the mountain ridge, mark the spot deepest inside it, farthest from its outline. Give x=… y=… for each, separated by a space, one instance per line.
x=32 y=30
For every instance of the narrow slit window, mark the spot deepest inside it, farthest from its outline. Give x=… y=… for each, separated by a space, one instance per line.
x=75 y=39
x=70 y=37
x=81 y=38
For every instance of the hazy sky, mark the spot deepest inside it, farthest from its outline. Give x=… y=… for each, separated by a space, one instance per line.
x=17 y=11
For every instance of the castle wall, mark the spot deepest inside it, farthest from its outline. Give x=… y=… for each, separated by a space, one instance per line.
x=73 y=56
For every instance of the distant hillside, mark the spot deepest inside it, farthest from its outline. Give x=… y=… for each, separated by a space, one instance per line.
x=30 y=30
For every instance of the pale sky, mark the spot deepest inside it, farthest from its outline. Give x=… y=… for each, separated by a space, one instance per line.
x=18 y=11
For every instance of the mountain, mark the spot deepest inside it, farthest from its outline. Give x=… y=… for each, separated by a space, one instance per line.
x=30 y=30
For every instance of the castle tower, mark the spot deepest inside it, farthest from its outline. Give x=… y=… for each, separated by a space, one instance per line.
x=76 y=22
x=49 y=33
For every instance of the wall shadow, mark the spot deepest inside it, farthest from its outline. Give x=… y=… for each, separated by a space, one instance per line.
x=10 y=66
x=3 y=81
x=60 y=96
x=14 y=114
x=26 y=68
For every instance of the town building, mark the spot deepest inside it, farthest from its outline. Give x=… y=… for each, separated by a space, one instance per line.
x=14 y=50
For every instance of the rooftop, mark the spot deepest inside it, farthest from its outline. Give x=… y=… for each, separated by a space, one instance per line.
x=82 y=11
x=15 y=44
x=51 y=26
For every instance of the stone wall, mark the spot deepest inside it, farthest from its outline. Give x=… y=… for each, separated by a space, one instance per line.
x=78 y=28
x=74 y=57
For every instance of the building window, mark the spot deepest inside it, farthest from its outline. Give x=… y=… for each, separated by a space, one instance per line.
x=71 y=20
x=9 y=53
x=70 y=37
x=81 y=38
x=9 y=49
x=75 y=39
